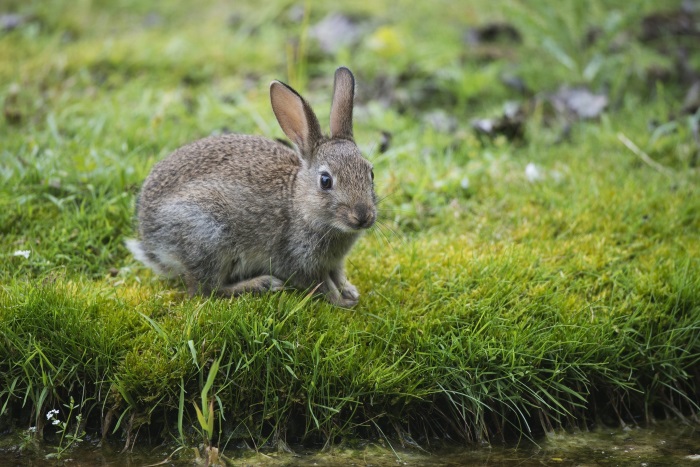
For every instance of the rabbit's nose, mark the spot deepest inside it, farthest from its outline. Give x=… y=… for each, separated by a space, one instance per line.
x=363 y=216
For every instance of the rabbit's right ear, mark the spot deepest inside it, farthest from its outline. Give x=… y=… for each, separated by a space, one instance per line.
x=295 y=117
x=341 y=107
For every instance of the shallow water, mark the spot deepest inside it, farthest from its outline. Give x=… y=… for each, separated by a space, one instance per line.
x=668 y=443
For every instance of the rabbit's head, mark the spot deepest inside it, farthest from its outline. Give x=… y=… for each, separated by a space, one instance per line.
x=335 y=186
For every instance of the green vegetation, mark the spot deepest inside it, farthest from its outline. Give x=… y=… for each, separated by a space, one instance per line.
x=513 y=286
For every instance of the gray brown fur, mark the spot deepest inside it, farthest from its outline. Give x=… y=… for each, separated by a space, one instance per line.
x=237 y=213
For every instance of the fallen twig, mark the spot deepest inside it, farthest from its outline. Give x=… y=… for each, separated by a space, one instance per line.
x=643 y=155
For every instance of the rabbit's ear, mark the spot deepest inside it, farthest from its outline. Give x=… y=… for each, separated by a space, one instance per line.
x=295 y=117
x=341 y=108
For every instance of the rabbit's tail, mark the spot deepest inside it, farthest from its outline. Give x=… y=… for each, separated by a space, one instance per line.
x=136 y=249
x=170 y=267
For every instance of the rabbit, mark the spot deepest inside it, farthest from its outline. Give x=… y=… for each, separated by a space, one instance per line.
x=236 y=214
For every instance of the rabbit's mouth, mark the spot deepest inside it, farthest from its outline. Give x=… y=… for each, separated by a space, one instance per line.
x=360 y=218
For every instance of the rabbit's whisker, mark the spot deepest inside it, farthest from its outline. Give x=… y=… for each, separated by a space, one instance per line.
x=382 y=237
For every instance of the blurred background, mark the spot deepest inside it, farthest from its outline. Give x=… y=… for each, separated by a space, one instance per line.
x=444 y=63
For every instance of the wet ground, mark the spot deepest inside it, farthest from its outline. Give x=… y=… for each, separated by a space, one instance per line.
x=669 y=443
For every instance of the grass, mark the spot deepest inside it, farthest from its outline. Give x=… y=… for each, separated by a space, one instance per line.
x=493 y=306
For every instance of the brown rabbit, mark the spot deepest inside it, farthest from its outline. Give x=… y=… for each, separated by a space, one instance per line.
x=237 y=213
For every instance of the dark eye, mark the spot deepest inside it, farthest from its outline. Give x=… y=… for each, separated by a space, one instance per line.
x=326 y=181
x=371 y=174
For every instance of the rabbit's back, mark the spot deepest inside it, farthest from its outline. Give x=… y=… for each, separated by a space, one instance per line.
x=218 y=204
x=239 y=161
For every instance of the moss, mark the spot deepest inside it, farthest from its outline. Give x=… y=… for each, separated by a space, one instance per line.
x=492 y=305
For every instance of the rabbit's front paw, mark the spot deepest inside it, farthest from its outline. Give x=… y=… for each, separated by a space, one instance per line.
x=346 y=289
x=349 y=291
x=343 y=302
x=339 y=291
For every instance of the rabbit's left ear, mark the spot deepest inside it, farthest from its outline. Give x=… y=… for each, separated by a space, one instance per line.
x=341 y=108
x=295 y=117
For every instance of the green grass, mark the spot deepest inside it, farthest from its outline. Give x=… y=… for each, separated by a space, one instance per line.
x=492 y=306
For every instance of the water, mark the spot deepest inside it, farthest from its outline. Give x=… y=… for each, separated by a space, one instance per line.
x=668 y=443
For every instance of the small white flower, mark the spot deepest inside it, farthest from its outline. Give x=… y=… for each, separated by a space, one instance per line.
x=56 y=422
x=31 y=429
x=533 y=173
x=24 y=253
x=51 y=413
x=464 y=183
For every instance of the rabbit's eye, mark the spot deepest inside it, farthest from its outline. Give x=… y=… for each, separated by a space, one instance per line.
x=326 y=181
x=371 y=174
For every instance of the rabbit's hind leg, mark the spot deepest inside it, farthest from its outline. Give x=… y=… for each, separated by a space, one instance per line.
x=259 y=285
